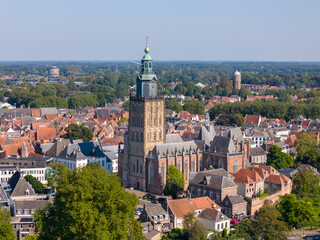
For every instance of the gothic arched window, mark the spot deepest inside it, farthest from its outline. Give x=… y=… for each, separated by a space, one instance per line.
x=179 y=165
x=151 y=173
x=220 y=164
x=193 y=166
x=235 y=166
x=163 y=174
x=186 y=170
x=137 y=166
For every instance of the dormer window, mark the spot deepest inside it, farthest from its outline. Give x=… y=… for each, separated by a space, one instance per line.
x=27 y=192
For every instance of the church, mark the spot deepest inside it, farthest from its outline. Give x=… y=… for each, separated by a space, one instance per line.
x=148 y=151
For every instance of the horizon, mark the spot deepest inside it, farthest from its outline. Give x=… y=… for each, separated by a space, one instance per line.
x=98 y=30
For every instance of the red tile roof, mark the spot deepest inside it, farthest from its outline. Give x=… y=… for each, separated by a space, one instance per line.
x=180 y=207
x=203 y=203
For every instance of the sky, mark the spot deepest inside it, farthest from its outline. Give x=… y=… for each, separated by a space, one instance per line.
x=215 y=30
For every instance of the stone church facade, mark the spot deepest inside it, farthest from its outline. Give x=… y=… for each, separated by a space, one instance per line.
x=147 y=150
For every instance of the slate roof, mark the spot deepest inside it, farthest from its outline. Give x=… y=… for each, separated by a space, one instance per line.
x=31 y=204
x=57 y=147
x=19 y=186
x=173 y=138
x=91 y=149
x=214 y=181
x=3 y=195
x=213 y=215
x=102 y=113
x=257 y=151
x=72 y=151
x=207 y=134
x=45 y=111
x=235 y=134
x=173 y=148
x=223 y=145
x=235 y=200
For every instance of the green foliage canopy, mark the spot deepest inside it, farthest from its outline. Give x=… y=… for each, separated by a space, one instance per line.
x=75 y=131
x=89 y=204
x=6 y=232
x=175 y=182
x=277 y=159
x=36 y=184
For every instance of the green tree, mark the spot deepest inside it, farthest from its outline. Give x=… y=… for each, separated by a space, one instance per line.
x=308 y=150
x=228 y=119
x=265 y=226
x=294 y=211
x=72 y=85
x=6 y=232
x=83 y=100
x=193 y=229
x=31 y=237
x=277 y=159
x=75 y=131
x=248 y=230
x=174 y=105
x=194 y=106
x=302 y=182
x=89 y=204
x=175 y=234
x=175 y=182
x=53 y=174
x=36 y=184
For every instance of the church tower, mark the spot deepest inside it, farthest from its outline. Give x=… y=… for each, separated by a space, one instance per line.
x=146 y=125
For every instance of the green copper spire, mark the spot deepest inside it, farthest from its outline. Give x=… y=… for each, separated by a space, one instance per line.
x=146 y=80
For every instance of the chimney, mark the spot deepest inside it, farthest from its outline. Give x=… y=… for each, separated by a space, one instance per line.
x=144 y=206
x=21 y=174
x=148 y=227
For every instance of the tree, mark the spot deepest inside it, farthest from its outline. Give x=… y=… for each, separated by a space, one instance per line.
x=174 y=105
x=175 y=182
x=53 y=174
x=277 y=159
x=248 y=230
x=72 y=85
x=36 y=184
x=75 y=131
x=193 y=229
x=228 y=119
x=194 y=106
x=302 y=182
x=308 y=150
x=31 y=237
x=6 y=232
x=294 y=211
x=175 y=234
x=89 y=204
x=265 y=226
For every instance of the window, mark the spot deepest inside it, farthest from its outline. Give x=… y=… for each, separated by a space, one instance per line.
x=193 y=166
x=218 y=197
x=137 y=166
x=26 y=211
x=19 y=212
x=179 y=165
x=27 y=192
x=163 y=174
x=151 y=173
x=102 y=163
x=235 y=166
x=186 y=171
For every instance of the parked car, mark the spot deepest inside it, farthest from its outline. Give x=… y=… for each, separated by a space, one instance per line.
x=234 y=221
x=155 y=201
x=149 y=196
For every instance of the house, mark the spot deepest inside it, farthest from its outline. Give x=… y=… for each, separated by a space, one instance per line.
x=178 y=209
x=257 y=156
x=20 y=189
x=249 y=181
x=234 y=206
x=156 y=215
x=214 y=220
x=216 y=184
x=201 y=203
x=149 y=233
x=252 y=120
x=278 y=183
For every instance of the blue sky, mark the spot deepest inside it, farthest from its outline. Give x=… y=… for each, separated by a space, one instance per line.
x=259 y=30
